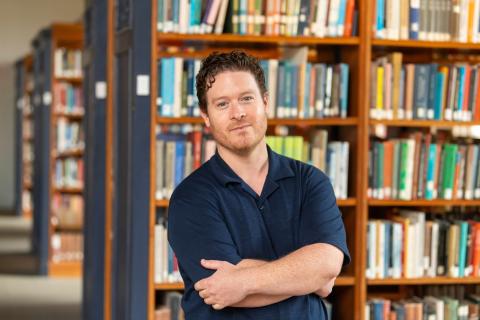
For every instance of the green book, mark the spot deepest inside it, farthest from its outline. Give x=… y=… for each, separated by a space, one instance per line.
x=402 y=186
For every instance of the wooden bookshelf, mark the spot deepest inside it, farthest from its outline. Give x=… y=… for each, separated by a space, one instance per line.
x=67 y=37
x=417 y=44
x=70 y=116
x=424 y=123
x=423 y=281
x=423 y=203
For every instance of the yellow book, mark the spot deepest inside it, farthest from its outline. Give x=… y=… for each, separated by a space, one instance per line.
x=380 y=74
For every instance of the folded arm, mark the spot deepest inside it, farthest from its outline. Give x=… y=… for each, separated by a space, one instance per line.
x=310 y=269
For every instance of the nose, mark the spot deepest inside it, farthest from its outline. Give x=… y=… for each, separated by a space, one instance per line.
x=238 y=111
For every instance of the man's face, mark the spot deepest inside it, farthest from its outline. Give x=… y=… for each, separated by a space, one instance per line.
x=237 y=112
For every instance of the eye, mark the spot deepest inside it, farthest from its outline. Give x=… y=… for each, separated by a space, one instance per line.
x=247 y=99
x=222 y=104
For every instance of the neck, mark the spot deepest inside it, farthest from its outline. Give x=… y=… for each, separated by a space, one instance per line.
x=252 y=163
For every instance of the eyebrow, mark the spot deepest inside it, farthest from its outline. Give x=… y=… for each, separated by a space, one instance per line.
x=225 y=97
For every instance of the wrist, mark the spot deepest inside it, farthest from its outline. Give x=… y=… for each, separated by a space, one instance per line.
x=248 y=279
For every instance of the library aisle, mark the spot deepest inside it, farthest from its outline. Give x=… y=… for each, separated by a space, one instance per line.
x=60 y=298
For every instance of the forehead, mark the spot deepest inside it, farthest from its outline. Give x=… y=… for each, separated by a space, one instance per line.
x=231 y=82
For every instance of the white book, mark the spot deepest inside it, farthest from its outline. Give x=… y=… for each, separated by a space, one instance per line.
x=333 y=13
x=372 y=249
x=381 y=250
x=320 y=25
x=221 y=17
x=177 y=88
x=434 y=250
x=158 y=254
x=184 y=16
x=272 y=86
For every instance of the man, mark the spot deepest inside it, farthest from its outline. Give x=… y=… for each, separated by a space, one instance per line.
x=257 y=235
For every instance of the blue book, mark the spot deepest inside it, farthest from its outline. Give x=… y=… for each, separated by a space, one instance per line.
x=190 y=86
x=432 y=91
x=377 y=308
x=176 y=15
x=280 y=112
x=461 y=90
x=159 y=88
x=420 y=95
x=380 y=19
x=462 y=255
x=195 y=15
x=344 y=72
x=288 y=89
x=307 y=93
x=303 y=18
x=342 y=8
x=160 y=15
x=414 y=19
x=167 y=82
x=437 y=105
x=179 y=161
x=294 y=90
x=242 y=16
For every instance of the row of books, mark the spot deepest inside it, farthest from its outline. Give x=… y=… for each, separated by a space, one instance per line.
x=166 y=264
x=67 y=63
x=428 y=307
x=295 y=90
x=424 y=91
x=410 y=246
x=67 y=210
x=177 y=155
x=69 y=173
x=321 y=18
x=170 y=308
x=69 y=135
x=66 y=247
x=420 y=167
x=442 y=20
x=330 y=157
x=68 y=99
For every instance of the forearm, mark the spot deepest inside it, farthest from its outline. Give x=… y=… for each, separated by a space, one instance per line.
x=306 y=270
x=257 y=300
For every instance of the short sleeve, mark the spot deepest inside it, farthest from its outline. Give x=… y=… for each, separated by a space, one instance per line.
x=197 y=231
x=321 y=220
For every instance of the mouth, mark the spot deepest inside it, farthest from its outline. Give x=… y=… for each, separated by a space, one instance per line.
x=240 y=127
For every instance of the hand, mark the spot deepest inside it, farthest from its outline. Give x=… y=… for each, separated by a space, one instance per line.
x=224 y=288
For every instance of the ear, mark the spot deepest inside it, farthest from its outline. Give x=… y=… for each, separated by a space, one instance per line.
x=266 y=102
x=206 y=119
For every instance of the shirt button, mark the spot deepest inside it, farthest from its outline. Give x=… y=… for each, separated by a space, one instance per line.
x=261 y=207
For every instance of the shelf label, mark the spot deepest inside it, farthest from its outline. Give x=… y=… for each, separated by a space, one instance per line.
x=100 y=90
x=47 y=98
x=143 y=85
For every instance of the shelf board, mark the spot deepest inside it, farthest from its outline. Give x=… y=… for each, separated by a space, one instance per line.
x=423 y=281
x=272 y=122
x=69 y=190
x=423 y=123
x=71 y=80
x=340 y=281
x=28 y=185
x=350 y=202
x=65 y=269
x=69 y=153
x=425 y=44
x=70 y=116
x=422 y=203
x=28 y=139
x=71 y=228
x=183 y=39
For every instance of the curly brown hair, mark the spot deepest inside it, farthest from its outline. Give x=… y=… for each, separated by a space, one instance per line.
x=217 y=62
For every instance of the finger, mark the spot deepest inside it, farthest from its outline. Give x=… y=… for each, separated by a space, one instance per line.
x=200 y=285
x=217 y=306
x=203 y=294
x=209 y=301
x=212 y=264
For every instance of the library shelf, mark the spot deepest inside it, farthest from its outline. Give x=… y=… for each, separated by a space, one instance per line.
x=423 y=281
x=70 y=116
x=65 y=269
x=422 y=203
x=72 y=80
x=349 y=202
x=424 y=123
x=69 y=153
x=68 y=190
x=351 y=121
x=68 y=228
x=417 y=44
x=340 y=281
x=185 y=39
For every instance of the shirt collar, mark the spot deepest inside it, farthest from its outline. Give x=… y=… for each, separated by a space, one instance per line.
x=279 y=167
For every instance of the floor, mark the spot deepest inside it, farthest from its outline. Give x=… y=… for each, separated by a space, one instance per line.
x=23 y=295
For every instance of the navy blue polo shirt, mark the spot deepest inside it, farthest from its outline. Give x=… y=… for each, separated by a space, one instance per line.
x=214 y=214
